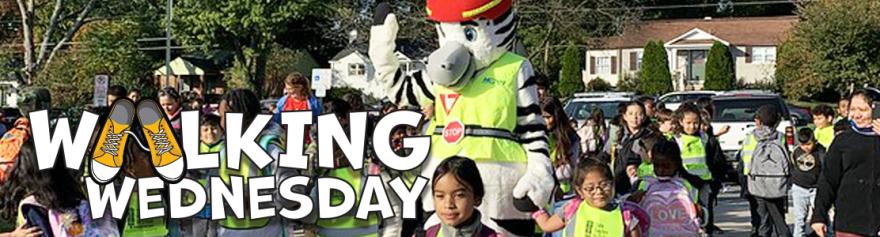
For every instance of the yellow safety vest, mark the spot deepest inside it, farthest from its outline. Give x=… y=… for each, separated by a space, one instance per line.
x=203 y=178
x=693 y=155
x=748 y=147
x=594 y=222
x=486 y=108
x=645 y=170
x=134 y=226
x=246 y=170
x=825 y=136
x=348 y=225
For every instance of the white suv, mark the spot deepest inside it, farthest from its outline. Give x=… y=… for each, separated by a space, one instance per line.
x=737 y=110
x=581 y=106
x=674 y=99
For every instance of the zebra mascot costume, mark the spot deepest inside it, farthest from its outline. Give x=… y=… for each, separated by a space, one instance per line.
x=485 y=105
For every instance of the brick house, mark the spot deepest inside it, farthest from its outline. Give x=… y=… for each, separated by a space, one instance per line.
x=752 y=42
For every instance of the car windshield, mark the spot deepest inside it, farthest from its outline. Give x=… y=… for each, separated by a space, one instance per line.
x=580 y=110
x=740 y=110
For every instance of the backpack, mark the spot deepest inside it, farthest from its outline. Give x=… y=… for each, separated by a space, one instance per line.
x=670 y=208
x=67 y=223
x=768 y=175
x=11 y=144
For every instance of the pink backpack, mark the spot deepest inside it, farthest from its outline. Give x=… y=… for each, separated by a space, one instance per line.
x=670 y=208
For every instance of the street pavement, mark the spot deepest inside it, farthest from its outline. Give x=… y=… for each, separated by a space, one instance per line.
x=732 y=213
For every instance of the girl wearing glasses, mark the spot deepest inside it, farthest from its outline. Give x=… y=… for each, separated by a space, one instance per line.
x=594 y=212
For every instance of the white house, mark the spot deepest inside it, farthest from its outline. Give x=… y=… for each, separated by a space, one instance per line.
x=752 y=42
x=352 y=68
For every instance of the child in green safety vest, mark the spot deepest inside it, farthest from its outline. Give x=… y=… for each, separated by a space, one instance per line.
x=346 y=225
x=210 y=141
x=595 y=212
x=823 y=117
x=668 y=192
x=666 y=122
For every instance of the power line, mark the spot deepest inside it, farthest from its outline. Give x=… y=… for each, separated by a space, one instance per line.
x=666 y=7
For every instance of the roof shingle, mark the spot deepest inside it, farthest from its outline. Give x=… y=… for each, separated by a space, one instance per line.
x=737 y=31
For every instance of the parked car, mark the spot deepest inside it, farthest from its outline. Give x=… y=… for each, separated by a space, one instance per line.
x=803 y=115
x=737 y=109
x=582 y=105
x=674 y=99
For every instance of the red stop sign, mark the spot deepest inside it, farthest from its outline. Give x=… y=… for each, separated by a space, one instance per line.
x=453 y=132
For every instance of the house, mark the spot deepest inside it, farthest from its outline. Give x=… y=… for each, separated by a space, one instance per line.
x=352 y=68
x=191 y=73
x=752 y=42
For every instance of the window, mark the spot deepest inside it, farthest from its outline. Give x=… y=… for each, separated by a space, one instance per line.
x=603 y=65
x=764 y=55
x=356 y=69
x=638 y=61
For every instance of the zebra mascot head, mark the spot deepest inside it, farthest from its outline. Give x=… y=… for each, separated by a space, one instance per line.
x=472 y=35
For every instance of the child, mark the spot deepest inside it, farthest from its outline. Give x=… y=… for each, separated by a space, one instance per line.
x=51 y=200
x=691 y=141
x=822 y=118
x=806 y=167
x=210 y=141
x=665 y=122
x=768 y=173
x=458 y=190
x=595 y=210
x=668 y=193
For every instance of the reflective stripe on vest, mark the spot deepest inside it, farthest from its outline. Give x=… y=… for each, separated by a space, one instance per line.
x=348 y=225
x=748 y=147
x=134 y=226
x=486 y=106
x=594 y=222
x=693 y=155
x=246 y=170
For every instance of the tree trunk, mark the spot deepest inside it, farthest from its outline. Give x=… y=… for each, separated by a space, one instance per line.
x=260 y=71
x=27 y=27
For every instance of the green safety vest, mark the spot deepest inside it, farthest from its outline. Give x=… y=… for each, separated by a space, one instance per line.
x=246 y=170
x=348 y=225
x=645 y=170
x=825 y=136
x=748 y=147
x=693 y=155
x=486 y=107
x=190 y=198
x=594 y=222
x=134 y=226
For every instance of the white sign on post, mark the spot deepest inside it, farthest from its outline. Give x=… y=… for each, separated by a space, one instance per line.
x=101 y=84
x=322 y=78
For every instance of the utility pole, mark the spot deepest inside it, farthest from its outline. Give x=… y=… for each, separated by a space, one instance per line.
x=168 y=13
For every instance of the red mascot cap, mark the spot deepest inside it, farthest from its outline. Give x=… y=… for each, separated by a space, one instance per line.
x=464 y=10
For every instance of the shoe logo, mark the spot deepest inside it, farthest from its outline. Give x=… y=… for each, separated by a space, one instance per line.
x=161 y=140
x=111 y=142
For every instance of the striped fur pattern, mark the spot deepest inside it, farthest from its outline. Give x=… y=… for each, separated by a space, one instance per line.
x=415 y=88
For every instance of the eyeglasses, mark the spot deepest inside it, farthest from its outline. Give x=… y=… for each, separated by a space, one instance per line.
x=604 y=186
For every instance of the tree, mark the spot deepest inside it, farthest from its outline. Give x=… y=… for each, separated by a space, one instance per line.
x=546 y=26
x=246 y=27
x=107 y=47
x=654 y=75
x=597 y=84
x=66 y=17
x=629 y=82
x=570 y=81
x=283 y=61
x=719 y=69
x=835 y=45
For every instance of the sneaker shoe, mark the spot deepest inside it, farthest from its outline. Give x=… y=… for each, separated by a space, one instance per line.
x=167 y=156
x=109 y=149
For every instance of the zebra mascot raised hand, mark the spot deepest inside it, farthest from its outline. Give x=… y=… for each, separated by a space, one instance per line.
x=485 y=105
